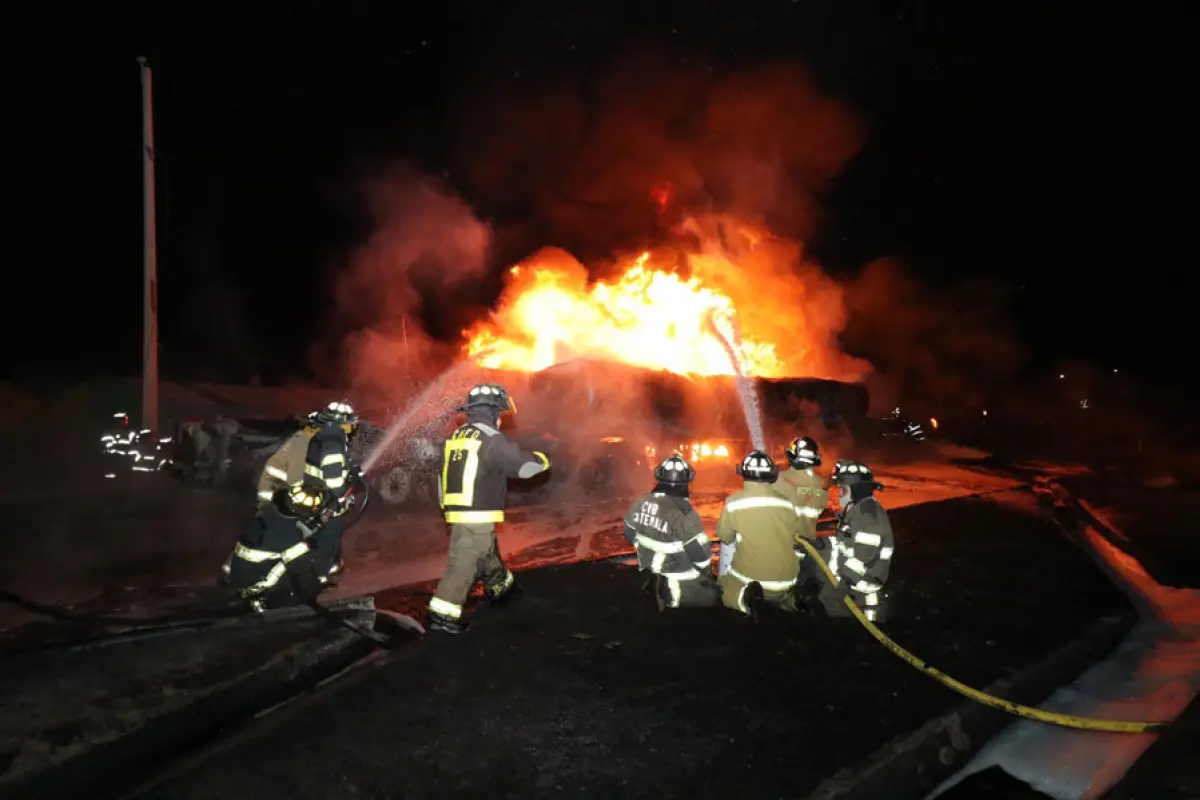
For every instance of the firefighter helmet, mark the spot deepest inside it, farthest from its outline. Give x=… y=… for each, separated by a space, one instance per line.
x=338 y=412
x=849 y=473
x=674 y=469
x=804 y=453
x=758 y=466
x=488 y=395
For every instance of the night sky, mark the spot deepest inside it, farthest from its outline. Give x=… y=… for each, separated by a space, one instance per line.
x=1030 y=141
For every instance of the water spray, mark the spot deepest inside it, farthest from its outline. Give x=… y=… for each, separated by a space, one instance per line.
x=403 y=423
x=747 y=393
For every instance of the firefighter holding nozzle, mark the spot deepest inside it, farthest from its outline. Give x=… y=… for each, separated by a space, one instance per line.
x=477 y=463
x=294 y=544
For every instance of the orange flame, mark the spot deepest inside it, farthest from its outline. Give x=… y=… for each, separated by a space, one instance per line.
x=655 y=318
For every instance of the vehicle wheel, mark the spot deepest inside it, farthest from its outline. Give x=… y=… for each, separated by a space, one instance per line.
x=394 y=486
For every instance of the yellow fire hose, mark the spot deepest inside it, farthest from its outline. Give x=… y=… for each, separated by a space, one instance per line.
x=1049 y=717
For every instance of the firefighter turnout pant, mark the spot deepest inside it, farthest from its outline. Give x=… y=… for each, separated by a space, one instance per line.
x=867 y=594
x=781 y=594
x=327 y=545
x=474 y=555
x=272 y=579
x=686 y=590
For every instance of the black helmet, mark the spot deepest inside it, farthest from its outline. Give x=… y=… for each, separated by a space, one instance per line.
x=758 y=466
x=488 y=395
x=851 y=473
x=674 y=470
x=804 y=452
x=338 y=412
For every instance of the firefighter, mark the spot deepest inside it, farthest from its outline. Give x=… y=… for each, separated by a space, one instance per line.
x=285 y=468
x=757 y=531
x=670 y=539
x=861 y=554
x=802 y=485
x=292 y=544
x=477 y=463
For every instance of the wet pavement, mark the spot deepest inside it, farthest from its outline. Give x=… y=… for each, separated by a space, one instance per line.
x=582 y=688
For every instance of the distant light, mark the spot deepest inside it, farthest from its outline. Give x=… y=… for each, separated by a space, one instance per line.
x=985 y=412
x=1114 y=372
x=934 y=423
x=1061 y=376
x=1083 y=403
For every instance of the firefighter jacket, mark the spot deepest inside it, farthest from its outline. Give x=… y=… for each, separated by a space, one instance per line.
x=807 y=490
x=763 y=525
x=477 y=463
x=863 y=546
x=669 y=537
x=285 y=467
x=275 y=544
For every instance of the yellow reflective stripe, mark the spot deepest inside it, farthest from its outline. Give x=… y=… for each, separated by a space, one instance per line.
x=456 y=450
x=765 y=502
x=252 y=555
x=315 y=471
x=444 y=607
x=266 y=583
x=266 y=495
x=543 y=458
x=868 y=538
x=335 y=483
x=469 y=517
x=655 y=546
x=333 y=458
x=769 y=586
x=259 y=556
x=277 y=473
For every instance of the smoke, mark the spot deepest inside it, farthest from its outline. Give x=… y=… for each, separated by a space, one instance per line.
x=583 y=155
x=945 y=347
x=425 y=248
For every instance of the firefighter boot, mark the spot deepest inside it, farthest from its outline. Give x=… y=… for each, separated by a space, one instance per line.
x=503 y=593
x=754 y=600
x=444 y=624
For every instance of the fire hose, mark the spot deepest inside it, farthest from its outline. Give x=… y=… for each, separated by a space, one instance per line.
x=1016 y=709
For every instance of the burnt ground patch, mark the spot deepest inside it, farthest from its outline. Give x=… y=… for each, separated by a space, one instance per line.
x=581 y=687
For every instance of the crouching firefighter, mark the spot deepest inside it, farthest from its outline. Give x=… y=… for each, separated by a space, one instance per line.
x=861 y=555
x=757 y=531
x=670 y=539
x=294 y=543
x=477 y=463
x=285 y=467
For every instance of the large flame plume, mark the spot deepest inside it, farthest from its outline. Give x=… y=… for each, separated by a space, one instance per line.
x=666 y=309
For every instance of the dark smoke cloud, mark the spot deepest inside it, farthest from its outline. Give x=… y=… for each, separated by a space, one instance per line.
x=584 y=155
x=425 y=246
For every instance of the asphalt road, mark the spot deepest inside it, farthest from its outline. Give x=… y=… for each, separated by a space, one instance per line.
x=582 y=688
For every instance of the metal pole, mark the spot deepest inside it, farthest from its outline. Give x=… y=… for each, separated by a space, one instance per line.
x=150 y=255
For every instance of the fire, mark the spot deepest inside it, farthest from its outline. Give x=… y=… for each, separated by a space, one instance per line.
x=703 y=451
x=647 y=317
x=721 y=279
x=696 y=451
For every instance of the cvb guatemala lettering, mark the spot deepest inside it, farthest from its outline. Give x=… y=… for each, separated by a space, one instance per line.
x=649 y=516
